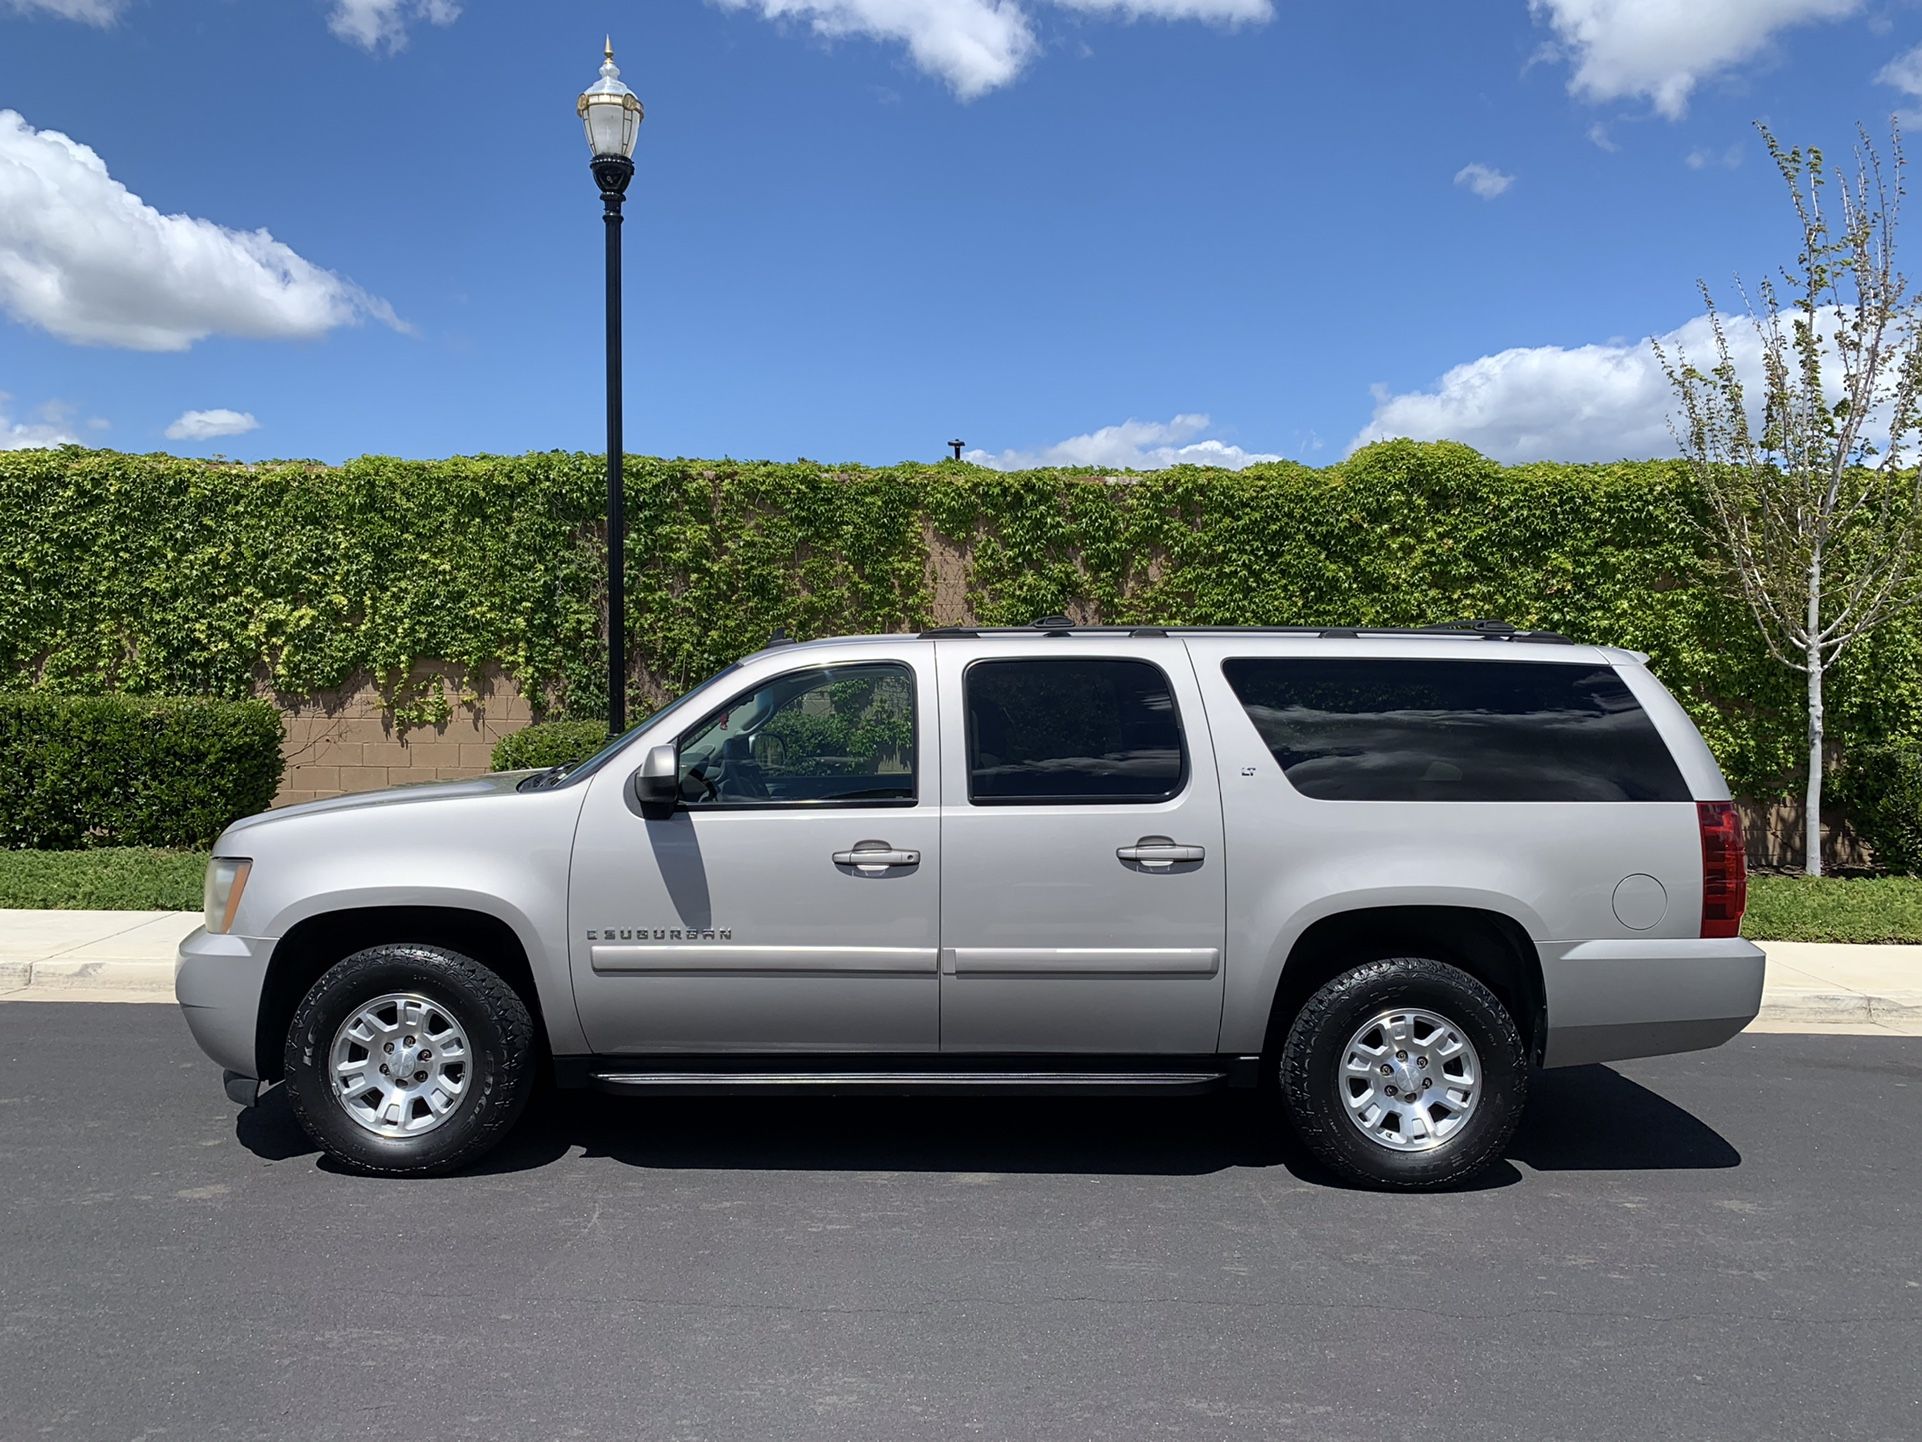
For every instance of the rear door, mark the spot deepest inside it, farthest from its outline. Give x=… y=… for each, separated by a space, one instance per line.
x=1082 y=882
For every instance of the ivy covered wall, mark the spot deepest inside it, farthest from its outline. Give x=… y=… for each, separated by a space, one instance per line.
x=160 y=575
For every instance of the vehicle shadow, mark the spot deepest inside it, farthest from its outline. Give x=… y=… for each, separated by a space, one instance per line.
x=1583 y=1119
x=1594 y=1119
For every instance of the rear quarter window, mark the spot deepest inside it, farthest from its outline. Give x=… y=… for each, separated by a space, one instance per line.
x=1360 y=729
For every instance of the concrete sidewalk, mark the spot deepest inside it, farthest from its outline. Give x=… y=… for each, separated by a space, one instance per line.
x=128 y=956
x=90 y=955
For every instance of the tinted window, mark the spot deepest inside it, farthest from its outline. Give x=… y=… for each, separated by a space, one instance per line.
x=833 y=733
x=1071 y=732
x=1366 y=730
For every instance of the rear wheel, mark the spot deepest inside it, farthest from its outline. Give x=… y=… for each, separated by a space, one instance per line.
x=407 y=1060
x=1405 y=1073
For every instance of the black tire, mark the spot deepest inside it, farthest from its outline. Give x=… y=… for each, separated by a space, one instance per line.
x=1312 y=1077
x=500 y=1073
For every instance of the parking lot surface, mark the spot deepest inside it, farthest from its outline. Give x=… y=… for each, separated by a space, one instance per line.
x=1718 y=1245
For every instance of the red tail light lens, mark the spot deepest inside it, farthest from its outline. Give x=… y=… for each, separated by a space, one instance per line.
x=1724 y=868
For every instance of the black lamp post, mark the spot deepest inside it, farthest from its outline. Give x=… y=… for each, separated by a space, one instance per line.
x=612 y=114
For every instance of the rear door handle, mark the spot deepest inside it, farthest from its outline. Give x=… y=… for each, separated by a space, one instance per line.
x=876 y=856
x=1159 y=851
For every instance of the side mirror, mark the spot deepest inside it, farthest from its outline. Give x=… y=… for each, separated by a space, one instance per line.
x=656 y=784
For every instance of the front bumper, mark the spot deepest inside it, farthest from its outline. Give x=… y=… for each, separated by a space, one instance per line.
x=218 y=981
x=1608 y=1000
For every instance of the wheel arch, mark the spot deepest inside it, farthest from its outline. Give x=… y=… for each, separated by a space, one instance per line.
x=315 y=943
x=1489 y=945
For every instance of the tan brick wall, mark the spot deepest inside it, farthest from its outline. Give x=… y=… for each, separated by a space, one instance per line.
x=346 y=740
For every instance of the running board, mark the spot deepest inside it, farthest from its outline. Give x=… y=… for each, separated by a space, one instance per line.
x=917 y=1083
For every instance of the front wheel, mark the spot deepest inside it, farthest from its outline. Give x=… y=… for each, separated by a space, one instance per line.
x=1405 y=1073
x=407 y=1060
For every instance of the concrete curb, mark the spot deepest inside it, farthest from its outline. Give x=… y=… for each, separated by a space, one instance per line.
x=1843 y=1006
x=62 y=980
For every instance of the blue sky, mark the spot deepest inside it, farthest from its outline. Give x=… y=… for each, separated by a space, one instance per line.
x=1082 y=231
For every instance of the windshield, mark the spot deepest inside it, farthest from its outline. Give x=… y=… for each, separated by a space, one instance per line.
x=566 y=775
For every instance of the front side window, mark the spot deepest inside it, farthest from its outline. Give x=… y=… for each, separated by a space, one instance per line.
x=840 y=735
x=1071 y=732
x=1358 y=729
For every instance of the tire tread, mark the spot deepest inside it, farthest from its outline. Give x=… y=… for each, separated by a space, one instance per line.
x=1314 y=1111
x=510 y=1081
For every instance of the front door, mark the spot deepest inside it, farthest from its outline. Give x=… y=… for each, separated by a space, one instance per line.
x=791 y=901
x=1082 y=888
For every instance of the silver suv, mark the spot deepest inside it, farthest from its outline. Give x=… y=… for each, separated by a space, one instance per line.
x=1382 y=874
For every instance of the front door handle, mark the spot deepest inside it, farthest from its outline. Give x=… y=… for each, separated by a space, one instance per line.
x=871 y=856
x=1158 y=852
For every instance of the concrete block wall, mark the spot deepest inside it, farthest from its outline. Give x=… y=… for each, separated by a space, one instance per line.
x=345 y=740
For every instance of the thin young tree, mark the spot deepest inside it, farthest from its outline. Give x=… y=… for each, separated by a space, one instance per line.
x=1802 y=431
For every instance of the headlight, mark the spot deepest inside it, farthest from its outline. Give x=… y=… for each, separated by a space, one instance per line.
x=226 y=879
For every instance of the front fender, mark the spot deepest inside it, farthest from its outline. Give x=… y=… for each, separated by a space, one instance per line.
x=498 y=854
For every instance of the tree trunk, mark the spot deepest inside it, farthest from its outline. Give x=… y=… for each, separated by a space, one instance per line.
x=1812 y=804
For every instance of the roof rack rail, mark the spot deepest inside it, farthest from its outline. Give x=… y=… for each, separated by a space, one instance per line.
x=1482 y=629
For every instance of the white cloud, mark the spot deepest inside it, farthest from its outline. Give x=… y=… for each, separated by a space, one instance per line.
x=1701 y=158
x=1577 y=403
x=1216 y=12
x=49 y=430
x=1662 y=49
x=85 y=258
x=206 y=425
x=1484 y=180
x=371 y=24
x=89 y=12
x=382 y=24
x=1905 y=74
x=1580 y=403
x=1599 y=137
x=978 y=45
x=974 y=45
x=1131 y=446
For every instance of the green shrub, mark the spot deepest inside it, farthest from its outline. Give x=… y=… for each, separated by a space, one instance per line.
x=1881 y=785
x=84 y=771
x=549 y=743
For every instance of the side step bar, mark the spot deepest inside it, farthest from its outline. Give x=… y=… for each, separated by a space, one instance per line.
x=905 y=1083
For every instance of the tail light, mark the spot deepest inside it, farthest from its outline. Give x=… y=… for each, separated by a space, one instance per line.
x=1724 y=868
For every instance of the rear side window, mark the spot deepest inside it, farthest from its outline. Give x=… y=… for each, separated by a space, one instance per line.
x=1413 y=730
x=1071 y=732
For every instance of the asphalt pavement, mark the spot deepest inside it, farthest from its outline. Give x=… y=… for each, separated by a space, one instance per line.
x=1717 y=1245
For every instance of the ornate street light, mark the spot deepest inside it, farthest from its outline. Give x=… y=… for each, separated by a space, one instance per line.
x=612 y=116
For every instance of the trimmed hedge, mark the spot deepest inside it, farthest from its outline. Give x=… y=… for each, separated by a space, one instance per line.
x=153 y=574
x=549 y=743
x=85 y=771
x=1881 y=785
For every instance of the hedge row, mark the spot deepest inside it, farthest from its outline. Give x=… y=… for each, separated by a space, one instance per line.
x=84 y=771
x=154 y=574
x=549 y=743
